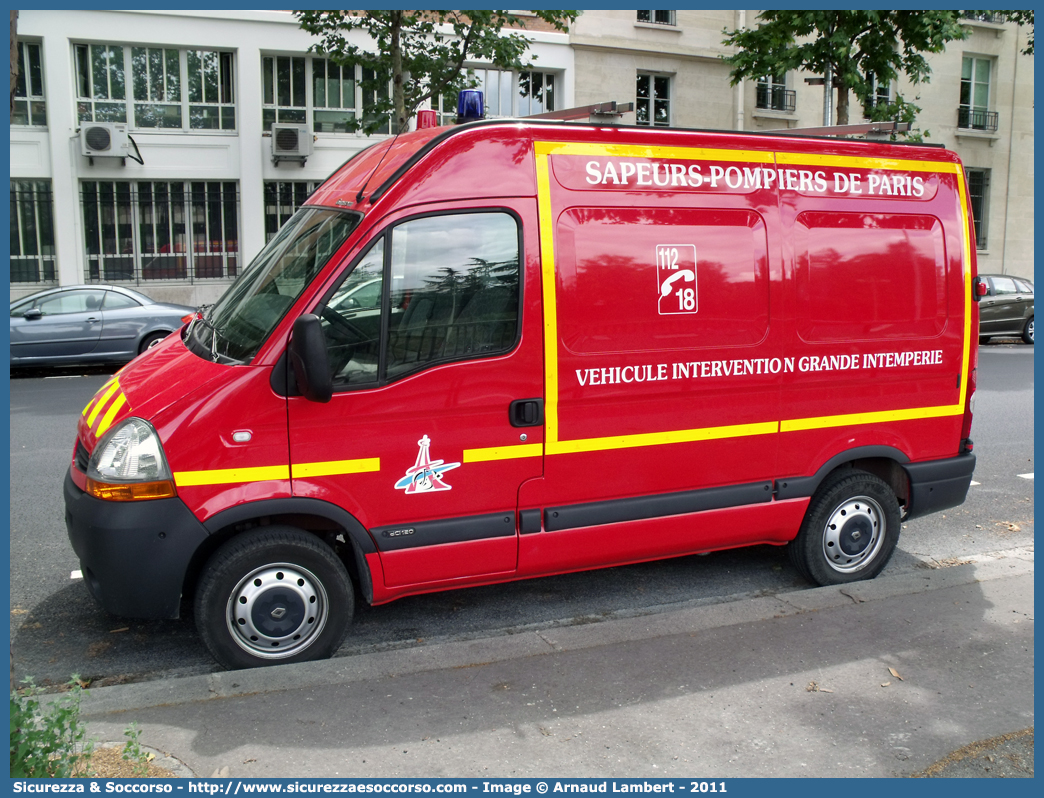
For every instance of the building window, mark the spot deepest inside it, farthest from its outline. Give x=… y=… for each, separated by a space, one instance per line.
x=880 y=91
x=772 y=94
x=657 y=17
x=338 y=93
x=974 y=111
x=653 y=106
x=32 y=232
x=139 y=231
x=282 y=199
x=979 y=196
x=171 y=89
x=29 y=109
x=497 y=90
x=536 y=93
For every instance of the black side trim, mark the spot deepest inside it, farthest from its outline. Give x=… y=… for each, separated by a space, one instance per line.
x=447 y=530
x=619 y=510
x=800 y=487
x=529 y=521
x=939 y=484
x=293 y=506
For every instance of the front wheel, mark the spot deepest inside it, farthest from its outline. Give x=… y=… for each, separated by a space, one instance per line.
x=151 y=340
x=1027 y=331
x=850 y=530
x=273 y=595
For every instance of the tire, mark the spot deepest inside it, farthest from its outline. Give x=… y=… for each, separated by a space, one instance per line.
x=984 y=339
x=1027 y=331
x=850 y=529
x=151 y=340
x=272 y=596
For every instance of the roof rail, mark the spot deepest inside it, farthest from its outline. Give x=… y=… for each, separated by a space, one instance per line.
x=599 y=112
x=870 y=130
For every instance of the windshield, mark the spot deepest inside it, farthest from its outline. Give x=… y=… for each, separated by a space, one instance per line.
x=234 y=329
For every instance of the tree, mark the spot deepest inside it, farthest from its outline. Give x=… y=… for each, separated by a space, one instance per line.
x=422 y=53
x=861 y=48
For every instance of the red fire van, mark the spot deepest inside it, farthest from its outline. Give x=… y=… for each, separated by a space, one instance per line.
x=515 y=349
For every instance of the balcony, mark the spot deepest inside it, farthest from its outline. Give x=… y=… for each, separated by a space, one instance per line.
x=776 y=98
x=970 y=119
x=993 y=17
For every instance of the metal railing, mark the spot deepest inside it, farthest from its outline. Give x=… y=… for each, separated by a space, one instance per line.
x=971 y=119
x=776 y=98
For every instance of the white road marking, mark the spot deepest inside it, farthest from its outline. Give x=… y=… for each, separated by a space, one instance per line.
x=65 y=377
x=1026 y=476
x=76 y=575
x=975 y=483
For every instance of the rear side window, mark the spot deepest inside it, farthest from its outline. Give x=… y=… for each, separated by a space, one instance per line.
x=115 y=301
x=1024 y=287
x=866 y=277
x=1004 y=285
x=430 y=290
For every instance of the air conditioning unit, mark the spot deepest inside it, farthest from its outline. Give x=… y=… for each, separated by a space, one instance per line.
x=104 y=139
x=291 y=143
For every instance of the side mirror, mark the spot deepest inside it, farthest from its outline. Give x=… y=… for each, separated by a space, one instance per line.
x=308 y=359
x=32 y=314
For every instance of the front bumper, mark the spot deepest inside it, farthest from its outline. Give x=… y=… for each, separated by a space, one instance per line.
x=938 y=484
x=134 y=555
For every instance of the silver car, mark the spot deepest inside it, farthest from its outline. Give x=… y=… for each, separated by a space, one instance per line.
x=89 y=324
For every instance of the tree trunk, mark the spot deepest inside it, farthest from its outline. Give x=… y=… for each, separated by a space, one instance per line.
x=402 y=124
x=14 y=57
x=842 y=104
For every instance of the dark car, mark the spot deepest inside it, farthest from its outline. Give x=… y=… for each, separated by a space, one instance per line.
x=89 y=324
x=1007 y=308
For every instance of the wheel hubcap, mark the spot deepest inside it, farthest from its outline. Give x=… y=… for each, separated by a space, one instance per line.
x=277 y=611
x=854 y=534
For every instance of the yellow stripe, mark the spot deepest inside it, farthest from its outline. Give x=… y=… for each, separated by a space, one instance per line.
x=545 y=148
x=547 y=266
x=94 y=398
x=335 y=467
x=110 y=414
x=857 y=162
x=225 y=476
x=503 y=453
x=101 y=402
x=851 y=419
x=660 y=438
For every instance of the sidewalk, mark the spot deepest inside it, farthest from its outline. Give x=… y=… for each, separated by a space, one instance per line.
x=877 y=679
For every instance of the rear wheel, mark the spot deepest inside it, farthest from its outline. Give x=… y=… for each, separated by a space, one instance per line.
x=271 y=596
x=850 y=530
x=1027 y=331
x=151 y=340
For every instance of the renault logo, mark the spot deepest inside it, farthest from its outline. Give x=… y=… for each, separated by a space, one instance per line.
x=278 y=613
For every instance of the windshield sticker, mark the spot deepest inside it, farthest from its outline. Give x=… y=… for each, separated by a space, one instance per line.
x=426 y=474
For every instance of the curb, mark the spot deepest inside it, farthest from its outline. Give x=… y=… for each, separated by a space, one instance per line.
x=528 y=643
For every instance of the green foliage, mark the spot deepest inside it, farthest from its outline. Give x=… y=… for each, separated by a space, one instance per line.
x=47 y=741
x=860 y=47
x=133 y=753
x=422 y=53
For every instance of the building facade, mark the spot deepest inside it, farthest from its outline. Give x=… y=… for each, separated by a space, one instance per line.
x=199 y=193
x=198 y=92
x=978 y=103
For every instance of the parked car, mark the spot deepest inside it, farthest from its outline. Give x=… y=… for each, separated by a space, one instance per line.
x=1007 y=308
x=89 y=324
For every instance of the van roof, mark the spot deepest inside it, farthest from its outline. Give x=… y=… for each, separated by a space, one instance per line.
x=368 y=174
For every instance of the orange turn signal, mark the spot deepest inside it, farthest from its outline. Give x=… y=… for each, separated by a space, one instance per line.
x=133 y=492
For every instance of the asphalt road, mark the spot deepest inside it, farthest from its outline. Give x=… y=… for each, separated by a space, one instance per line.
x=56 y=629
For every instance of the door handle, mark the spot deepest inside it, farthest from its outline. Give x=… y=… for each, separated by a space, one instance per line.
x=93 y=320
x=526 y=413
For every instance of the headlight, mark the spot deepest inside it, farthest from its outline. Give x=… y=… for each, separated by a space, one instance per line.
x=128 y=465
